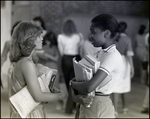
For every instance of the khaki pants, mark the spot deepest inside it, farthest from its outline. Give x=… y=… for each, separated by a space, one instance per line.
x=102 y=107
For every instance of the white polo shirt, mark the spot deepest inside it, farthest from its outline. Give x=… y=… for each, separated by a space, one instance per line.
x=111 y=63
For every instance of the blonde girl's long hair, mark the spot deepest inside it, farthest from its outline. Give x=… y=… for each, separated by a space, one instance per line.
x=23 y=38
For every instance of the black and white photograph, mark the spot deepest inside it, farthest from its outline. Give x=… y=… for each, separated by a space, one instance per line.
x=74 y=59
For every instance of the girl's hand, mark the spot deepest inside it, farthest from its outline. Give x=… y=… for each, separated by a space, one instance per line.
x=63 y=95
x=54 y=90
x=87 y=74
x=87 y=100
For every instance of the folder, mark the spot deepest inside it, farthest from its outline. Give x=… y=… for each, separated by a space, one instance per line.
x=47 y=79
x=85 y=68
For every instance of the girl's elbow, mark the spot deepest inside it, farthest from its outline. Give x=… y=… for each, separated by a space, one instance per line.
x=37 y=98
x=89 y=90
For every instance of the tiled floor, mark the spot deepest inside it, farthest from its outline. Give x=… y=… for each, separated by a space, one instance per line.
x=134 y=100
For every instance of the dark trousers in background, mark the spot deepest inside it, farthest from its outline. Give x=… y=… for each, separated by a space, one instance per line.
x=68 y=72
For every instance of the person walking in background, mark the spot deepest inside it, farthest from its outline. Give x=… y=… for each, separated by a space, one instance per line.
x=141 y=52
x=68 y=45
x=39 y=54
x=104 y=28
x=25 y=38
x=50 y=47
x=5 y=52
x=39 y=21
x=146 y=98
x=124 y=46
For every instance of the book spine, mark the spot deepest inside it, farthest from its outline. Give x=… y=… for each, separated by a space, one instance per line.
x=89 y=59
x=89 y=69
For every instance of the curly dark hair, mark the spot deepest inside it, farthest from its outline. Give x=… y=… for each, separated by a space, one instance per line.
x=123 y=26
x=142 y=29
x=50 y=36
x=38 y=18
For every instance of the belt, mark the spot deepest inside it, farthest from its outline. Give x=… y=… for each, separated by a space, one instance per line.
x=101 y=94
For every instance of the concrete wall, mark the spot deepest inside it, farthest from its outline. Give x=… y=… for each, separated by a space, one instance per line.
x=54 y=12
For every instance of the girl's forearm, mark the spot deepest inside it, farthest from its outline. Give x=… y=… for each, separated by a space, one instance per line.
x=76 y=98
x=89 y=86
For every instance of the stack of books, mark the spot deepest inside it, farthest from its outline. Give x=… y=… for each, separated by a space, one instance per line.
x=85 y=69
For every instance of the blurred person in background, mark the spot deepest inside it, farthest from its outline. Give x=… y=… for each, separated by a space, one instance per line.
x=5 y=53
x=39 y=21
x=68 y=44
x=142 y=53
x=39 y=54
x=146 y=98
x=124 y=46
x=50 y=47
x=87 y=48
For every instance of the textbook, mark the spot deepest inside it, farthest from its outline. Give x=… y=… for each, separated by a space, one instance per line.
x=85 y=68
x=47 y=79
x=93 y=61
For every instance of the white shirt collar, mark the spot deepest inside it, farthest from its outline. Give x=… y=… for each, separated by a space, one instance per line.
x=106 y=49
x=109 y=48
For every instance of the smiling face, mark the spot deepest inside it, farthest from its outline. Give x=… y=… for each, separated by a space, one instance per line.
x=97 y=36
x=38 y=42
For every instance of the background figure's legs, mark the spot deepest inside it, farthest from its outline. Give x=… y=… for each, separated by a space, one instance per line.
x=116 y=100
x=146 y=101
x=123 y=103
x=68 y=71
x=144 y=72
x=143 y=76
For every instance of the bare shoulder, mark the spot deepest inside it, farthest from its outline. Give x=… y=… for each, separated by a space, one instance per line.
x=27 y=65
